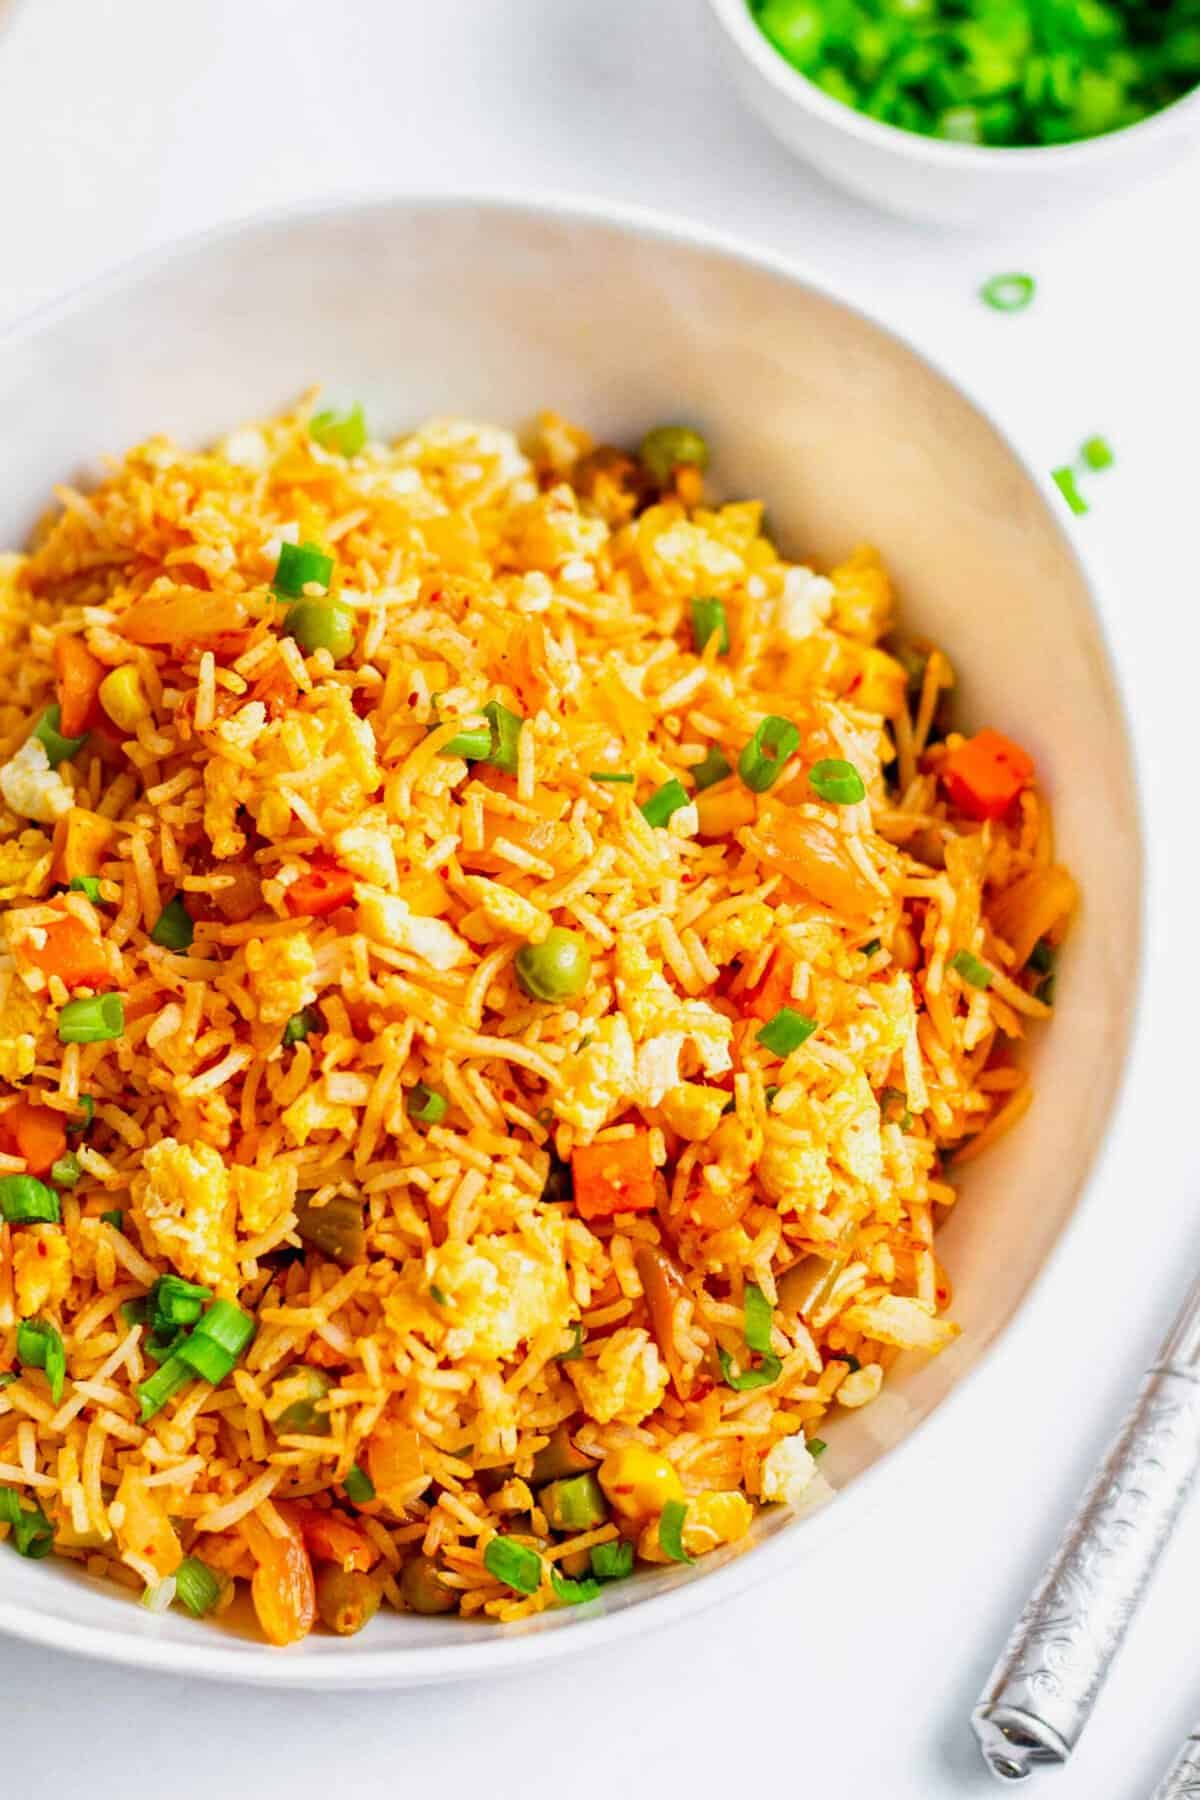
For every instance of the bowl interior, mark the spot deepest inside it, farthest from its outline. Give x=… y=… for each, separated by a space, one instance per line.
x=493 y=311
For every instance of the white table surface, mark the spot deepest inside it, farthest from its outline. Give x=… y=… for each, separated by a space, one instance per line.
x=124 y=125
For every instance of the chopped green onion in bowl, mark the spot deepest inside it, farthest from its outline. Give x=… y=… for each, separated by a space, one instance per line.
x=1008 y=293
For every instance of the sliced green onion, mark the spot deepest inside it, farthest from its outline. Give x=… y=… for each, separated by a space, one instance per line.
x=32 y=1534
x=837 y=781
x=175 y=1301
x=815 y=1446
x=82 y=1121
x=174 y=929
x=756 y=1330
x=87 y=884
x=872 y=948
x=157 y=1389
x=425 y=1106
x=160 y=1597
x=39 y=1346
x=473 y=743
x=298 y=565
x=93 y=1021
x=218 y=1341
x=66 y=1171
x=115 y=1218
x=1008 y=293
x=344 y=432
x=206 y=1359
x=612 y=1561
x=712 y=769
x=360 y=1489
x=505 y=733
x=438 y=1296
x=302 y=1024
x=785 y=1032
x=663 y=802
x=575 y=1351
x=971 y=969
x=709 y=615
x=618 y=775
x=1097 y=453
x=762 y=759
x=57 y=747
x=1067 y=487
x=670 y=1531
x=24 y=1200
x=515 y=1564
x=197 y=1586
x=573 y=1593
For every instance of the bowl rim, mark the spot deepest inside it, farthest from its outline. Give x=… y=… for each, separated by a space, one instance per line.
x=510 y=1652
x=735 y=20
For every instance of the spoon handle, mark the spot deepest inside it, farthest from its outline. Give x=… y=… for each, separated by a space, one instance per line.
x=1182 y=1779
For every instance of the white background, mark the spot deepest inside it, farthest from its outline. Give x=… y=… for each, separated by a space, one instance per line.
x=124 y=125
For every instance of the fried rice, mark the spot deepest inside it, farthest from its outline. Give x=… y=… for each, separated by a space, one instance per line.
x=500 y=970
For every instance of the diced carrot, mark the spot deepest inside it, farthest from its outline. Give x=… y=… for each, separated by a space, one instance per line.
x=35 y=1132
x=395 y=1463
x=321 y=891
x=71 y=952
x=79 y=678
x=714 y=1211
x=985 y=774
x=80 y=839
x=282 y=1587
x=613 y=1177
x=332 y=1538
x=774 y=991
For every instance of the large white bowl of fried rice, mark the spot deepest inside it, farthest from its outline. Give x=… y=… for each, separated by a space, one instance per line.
x=548 y=1014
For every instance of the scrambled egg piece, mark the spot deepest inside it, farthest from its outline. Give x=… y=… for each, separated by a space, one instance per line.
x=694 y=1111
x=366 y=849
x=281 y=972
x=500 y=1291
x=793 y=1169
x=388 y=920
x=20 y=856
x=263 y=1196
x=661 y=1024
x=313 y=1112
x=41 y=1259
x=853 y=1122
x=862 y=595
x=510 y=913
x=805 y=603
x=900 y=1320
x=626 y=1381
x=787 y=1469
x=31 y=787
x=182 y=1199
x=551 y=530
x=595 y=1081
x=20 y=1017
x=682 y=557
x=744 y=930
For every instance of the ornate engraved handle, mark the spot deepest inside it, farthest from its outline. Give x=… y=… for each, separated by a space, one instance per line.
x=1045 y=1684
x=1182 y=1779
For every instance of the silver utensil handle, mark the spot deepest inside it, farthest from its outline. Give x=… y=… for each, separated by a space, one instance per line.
x=1182 y=1779
x=1045 y=1683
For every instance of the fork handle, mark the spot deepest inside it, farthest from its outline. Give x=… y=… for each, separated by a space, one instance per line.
x=1182 y=1779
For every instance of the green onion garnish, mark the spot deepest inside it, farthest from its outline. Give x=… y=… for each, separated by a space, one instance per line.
x=709 y=615
x=83 y=1119
x=87 y=884
x=360 y=1489
x=39 y=1346
x=24 y=1200
x=872 y=948
x=438 y=1295
x=32 y=1534
x=301 y=1024
x=174 y=929
x=575 y=1350
x=837 y=781
x=712 y=769
x=515 y=1564
x=196 y=1586
x=66 y=1171
x=612 y=1561
x=1008 y=293
x=115 y=1218
x=1097 y=453
x=663 y=802
x=815 y=1446
x=786 y=1031
x=573 y=1593
x=344 y=432
x=174 y=1301
x=971 y=969
x=298 y=565
x=670 y=1531
x=93 y=1021
x=605 y=775
x=762 y=759
x=425 y=1106
x=473 y=743
x=756 y=1330
x=505 y=732
x=1065 y=479
x=157 y=1389
x=218 y=1341
x=57 y=747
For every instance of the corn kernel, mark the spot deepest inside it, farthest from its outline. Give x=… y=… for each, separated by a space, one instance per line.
x=722 y=810
x=123 y=697
x=639 y=1482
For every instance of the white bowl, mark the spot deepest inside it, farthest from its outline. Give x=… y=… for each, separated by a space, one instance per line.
x=493 y=310
x=926 y=178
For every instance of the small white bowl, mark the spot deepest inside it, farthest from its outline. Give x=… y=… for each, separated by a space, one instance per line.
x=491 y=309
x=924 y=178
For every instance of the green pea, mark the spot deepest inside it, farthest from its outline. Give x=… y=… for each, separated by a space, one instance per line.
x=669 y=447
x=346 y=1599
x=322 y=625
x=423 y=1589
x=557 y=968
x=302 y=1388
